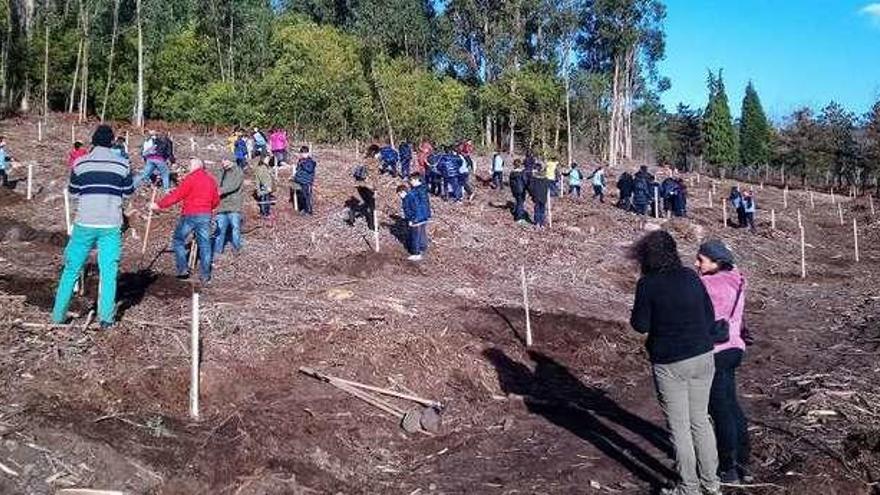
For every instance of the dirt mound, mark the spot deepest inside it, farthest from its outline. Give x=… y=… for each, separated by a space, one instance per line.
x=16 y=231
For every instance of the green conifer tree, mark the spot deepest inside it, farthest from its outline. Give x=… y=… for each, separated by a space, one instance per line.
x=721 y=143
x=754 y=133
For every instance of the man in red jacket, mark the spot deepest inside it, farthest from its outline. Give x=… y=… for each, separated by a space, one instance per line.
x=200 y=195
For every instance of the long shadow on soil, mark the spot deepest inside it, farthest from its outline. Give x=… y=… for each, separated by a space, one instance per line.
x=553 y=392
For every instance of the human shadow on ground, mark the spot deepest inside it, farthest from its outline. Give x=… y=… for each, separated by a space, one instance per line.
x=131 y=289
x=399 y=229
x=553 y=392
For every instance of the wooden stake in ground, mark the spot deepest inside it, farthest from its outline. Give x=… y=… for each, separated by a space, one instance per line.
x=833 y=199
x=656 y=202
x=193 y=254
x=525 y=291
x=761 y=187
x=724 y=213
x=840 y=213
x=800 y=221
x=149 y=221
x=871 y=203
x=812 y=203
x=785 y=197
x=803 y=255
x=296 y=200
x=856 y=238
x=375 y=230
x=549 y=211
x=711 y=201
x=773 y=219
x=126 y=142
x=30 y=181
x=194 y=360
x=39 y=131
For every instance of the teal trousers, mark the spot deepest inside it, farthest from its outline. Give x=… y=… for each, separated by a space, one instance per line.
x=83 y=239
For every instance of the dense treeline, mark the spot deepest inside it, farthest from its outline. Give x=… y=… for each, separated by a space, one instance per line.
x=515 y=72
x=833 y=147
x=550 y=75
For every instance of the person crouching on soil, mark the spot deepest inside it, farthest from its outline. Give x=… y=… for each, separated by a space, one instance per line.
x=100 y=181
x=264 y=182
x=673 y=309
x=231 y=180
x=304 y=179
x=199 y=193
x=727 y=290
x=416 y=212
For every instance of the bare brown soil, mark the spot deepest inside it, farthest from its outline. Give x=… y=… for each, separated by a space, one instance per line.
x=576 y=413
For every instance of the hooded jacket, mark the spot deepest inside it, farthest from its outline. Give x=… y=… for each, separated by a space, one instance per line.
x=230 y=180
x=722 y=288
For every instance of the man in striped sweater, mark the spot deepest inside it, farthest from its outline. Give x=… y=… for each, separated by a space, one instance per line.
x=100 y=181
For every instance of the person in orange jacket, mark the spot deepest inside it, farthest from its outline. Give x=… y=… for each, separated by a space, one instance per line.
x=200 y=196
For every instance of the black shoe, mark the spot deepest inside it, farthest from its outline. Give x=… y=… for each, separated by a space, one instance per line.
x=107 y=325
x=745 y=474
x=730 y=476
x=183 y=276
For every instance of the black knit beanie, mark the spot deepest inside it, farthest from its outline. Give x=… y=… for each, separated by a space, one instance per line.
x=103 y=136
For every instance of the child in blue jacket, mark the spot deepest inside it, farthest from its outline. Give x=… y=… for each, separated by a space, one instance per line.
x=241 y=151
x=416 y=212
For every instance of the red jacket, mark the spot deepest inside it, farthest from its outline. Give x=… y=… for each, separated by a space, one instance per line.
x=76 y=154
x=199 y=193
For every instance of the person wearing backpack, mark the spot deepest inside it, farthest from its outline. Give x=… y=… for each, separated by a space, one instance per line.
x=154 y=154
x=598 y=181
x=497 y=170
x=641 y=192
x=575 y=179
x=727 y=289
x=518 y=188
x=304 y=178
x=389 y=158
x=260 y=143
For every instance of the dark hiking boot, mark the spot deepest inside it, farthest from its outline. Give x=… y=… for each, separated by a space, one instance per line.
x=729 y=476
x=745 y=474
x=183 y=276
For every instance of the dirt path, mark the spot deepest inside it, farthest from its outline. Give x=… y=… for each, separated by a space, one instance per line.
x=576 y=413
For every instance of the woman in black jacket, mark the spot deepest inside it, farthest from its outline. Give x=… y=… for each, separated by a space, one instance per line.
x=673 y=309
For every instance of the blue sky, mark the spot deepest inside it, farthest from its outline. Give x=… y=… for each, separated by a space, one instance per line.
x=797 y=52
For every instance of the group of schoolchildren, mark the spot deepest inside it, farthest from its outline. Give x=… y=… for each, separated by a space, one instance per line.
x=744 y=204
x=642 y=194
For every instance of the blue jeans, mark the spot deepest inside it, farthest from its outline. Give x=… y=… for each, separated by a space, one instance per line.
x=418 y=238
x=241 y=162
x=404 y=168
x=200 y=226
x=574 y=190
x=265 y=204
x=226 y=221
x=155 y=165
x=455 y=187
x=519 y=208
x=540 y=208
x=497 y=180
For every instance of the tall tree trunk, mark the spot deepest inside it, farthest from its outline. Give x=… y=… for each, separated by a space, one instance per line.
x=568 y=114
x=231 y=43
x=110 y=61
x=46 y=64
x=139 y=102
x=556 y=131
x=4 y=87
x=72 y=100
x=28 y=11
x=612 y=123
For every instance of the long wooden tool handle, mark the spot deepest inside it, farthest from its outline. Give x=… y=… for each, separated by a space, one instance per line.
x=149 y=221
x=384 y=391
x=368 y=399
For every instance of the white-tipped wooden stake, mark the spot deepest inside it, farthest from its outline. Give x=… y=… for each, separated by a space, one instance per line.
x=126 y=142
x=785 y=197
x=803 y=255
x=773 y=219
x=800 y=220
x=39 y=131
x=871 y=203
x=193 y=254
x=856 y=238
x=375 y=230
x=192 y=144
x=67 y=211
x=194 y=360
x=833 y=198
x=812 y=203
x=149 y=220
x=72 y=133
x=525 y=291
x=296 y=200
x=30 y=181
x=714 y=191
x=549 y=211
x=656 y=202
x=711 y=201
x=761 y=186
x=724 y=213
x=840 y=213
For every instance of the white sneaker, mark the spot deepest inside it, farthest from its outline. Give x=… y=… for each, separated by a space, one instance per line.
x=415 y=257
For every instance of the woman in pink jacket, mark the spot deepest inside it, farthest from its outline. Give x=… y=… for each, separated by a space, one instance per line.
x=727 y=289
x=278 y=145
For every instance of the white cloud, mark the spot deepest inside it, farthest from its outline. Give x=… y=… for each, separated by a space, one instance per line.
x=871 y=10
